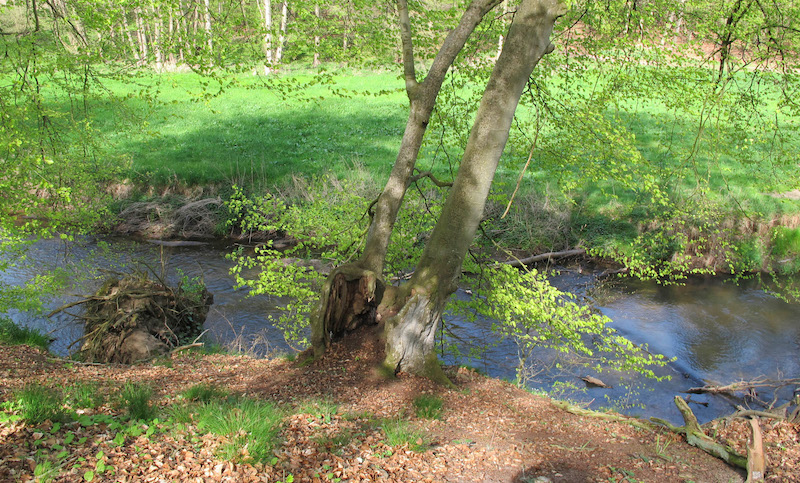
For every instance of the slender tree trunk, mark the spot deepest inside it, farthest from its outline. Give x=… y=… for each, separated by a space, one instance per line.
x=316 y=36
x=141 y=35
x=268 y=35
x=126 y=30
x=422 y=97
x=207 y=25
x=172 y=61
x=501 y=37
x=410 y=334
x=157 y=51
x=282 y=36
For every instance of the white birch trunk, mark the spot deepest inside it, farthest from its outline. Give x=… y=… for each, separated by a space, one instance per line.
x=282 y=36
x=268 y=51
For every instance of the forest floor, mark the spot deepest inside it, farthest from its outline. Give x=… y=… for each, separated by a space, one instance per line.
x=489 y=430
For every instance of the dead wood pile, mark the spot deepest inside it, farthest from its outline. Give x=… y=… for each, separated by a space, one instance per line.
x=136 y=318
x=154 y=219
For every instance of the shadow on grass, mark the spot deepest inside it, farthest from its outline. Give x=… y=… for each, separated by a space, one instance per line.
x=249 y=149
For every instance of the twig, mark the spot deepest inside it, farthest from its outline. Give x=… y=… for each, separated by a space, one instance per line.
x=429 y=175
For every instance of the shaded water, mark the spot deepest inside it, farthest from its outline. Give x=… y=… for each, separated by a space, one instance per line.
x=719 y=332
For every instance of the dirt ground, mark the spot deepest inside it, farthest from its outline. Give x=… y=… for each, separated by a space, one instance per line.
x=489 y=431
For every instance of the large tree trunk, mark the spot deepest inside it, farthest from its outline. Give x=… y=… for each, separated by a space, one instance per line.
x=409 y=334
x=422 y=97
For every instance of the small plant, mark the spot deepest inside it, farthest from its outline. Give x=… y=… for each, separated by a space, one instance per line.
x=37 y=404
x=13 y=334
x=323 y=409
x=251 y=427
x=428 y=406
x=44 y=471
x=399 y=432
x=136 y=400
x=203 y=392
x=83 y=395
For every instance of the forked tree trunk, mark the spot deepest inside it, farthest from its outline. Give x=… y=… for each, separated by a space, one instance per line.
x=422 y=97
x=414 y=311
x=410 y=334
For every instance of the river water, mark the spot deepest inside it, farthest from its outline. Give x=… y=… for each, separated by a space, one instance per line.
x=719 y=332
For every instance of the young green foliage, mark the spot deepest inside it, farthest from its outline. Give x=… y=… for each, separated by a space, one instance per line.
x=532 y=313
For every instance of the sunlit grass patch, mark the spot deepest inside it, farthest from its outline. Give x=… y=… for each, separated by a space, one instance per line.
x=250 y=426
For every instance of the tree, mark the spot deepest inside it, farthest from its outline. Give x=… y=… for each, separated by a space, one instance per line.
x=355 y=294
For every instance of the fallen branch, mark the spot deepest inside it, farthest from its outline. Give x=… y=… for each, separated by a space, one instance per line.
x=746 y=386
x=578 y=411
x=546 y=257
x=429 y=175
x=187 y=346
x=697 y=438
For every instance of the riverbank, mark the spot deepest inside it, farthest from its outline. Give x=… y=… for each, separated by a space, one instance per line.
x=336 y=425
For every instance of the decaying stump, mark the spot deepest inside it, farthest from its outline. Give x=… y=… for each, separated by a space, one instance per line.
x=136 y=319
x=350 y=299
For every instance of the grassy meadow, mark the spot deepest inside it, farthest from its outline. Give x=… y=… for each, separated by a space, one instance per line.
x=580 y=189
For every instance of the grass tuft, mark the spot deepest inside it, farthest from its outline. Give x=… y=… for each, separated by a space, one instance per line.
x=203 y=392
x=251 y=427
x=37 y=404
x=428 y=406
x=401 y=433
x=136 y=401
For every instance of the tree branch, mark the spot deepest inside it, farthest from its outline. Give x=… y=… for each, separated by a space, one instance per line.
x=429 y=175
x=409 y=70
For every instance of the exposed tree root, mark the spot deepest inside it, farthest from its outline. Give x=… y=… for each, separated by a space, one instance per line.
x=135 y=319
x=695 y=436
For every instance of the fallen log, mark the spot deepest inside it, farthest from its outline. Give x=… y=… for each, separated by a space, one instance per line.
x=546 y=257
x=742 y=386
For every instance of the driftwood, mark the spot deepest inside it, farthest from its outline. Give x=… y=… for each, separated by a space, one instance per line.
x=696 y=437
x=743 y=386
x=595 y=382
x=546 y=257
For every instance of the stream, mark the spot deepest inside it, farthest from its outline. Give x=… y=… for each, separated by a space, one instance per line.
x=719 y=332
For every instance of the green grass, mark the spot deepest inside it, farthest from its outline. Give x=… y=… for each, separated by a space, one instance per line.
x=427 y=406
x=13 y=334
x=135 y=399
x=83 y=395
x=400 y=432
x=251 y=426
x=37 y=404
x=251 y=135
x=203 y=392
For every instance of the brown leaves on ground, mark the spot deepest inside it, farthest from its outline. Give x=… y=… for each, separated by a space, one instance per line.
x=489 y=430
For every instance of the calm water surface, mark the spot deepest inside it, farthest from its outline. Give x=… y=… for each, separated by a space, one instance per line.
x=719 y=332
